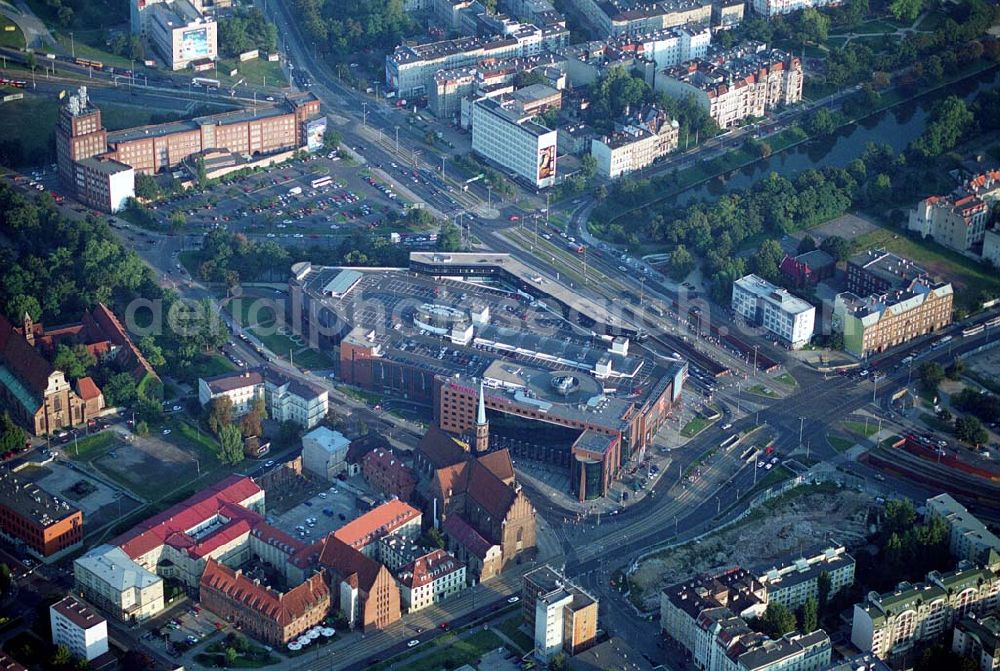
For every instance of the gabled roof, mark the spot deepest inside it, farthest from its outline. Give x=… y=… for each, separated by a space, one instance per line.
x=281 y=608
x=490 y=492
x=345 y=561
x=87 y=389
x=428 y=568
x=177 y=519
x=106 y=321
x=462 y=533
x=359 y=447
x=377 y=522
x=499 y=464
x=441 y=449
x=452 y=479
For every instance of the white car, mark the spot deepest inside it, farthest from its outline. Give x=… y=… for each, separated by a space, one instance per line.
x=513 y=599
x=322 y=495
x=412 y=644
x=269 y=463
x=166 y=432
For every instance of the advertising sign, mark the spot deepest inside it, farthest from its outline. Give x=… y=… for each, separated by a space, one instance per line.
x=315 y=130
x=249 y=55
x=547 y=162
x=194 y=44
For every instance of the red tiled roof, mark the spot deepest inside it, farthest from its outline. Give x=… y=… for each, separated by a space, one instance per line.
x=499 y=464
x=345 y=561
x=155 y=531
x=112 y=329
x=281 y=608
x=453 y=479
x=272 y=536
x=227 y=534
x=428 y=568
x=359 y=447
x=87 y=389
x=376 y=523
x=462 y=533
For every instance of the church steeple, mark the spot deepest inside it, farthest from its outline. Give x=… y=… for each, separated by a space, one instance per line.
x=482 y=425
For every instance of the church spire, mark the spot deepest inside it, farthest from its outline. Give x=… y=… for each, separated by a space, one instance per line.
x=482 y=424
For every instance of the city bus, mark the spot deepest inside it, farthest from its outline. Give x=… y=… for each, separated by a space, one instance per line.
x=730 y=442
x=204 y=81
x=321 y=182
x=749 y=454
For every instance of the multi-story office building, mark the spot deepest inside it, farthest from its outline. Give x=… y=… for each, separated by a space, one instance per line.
x=968 y=538
x=45 y=526
x=266 y=614
x=979 y=639
x=792 y=581
x=737 y=85
x=79 y=628
x=788 y=317
x=80 y=135
x=181 y=34
x=324 y=452
x=876 y=271
x=562 y=615
x=769 y=8
x=881 y=321
x=614 y=17
x=514 y=141
x=429 y=579
x=291 y=399
x=891 y=623
x=243 y=388
x=108 y=577
x=639 y=140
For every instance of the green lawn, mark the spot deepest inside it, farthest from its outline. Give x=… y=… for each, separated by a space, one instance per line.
x=861 y=428
x=762 y=390
x=454 y=652
x=511 y=628
x=95 y=51
x=312 y=359
x=35 y=112
x=254 y=72
x=13 y=39
x=277 y=343
x=787 y=379
x=694 y=427
x=261 y=313
x=93 y=15
x=90 y=448
x=968 y=278
x=840 y=443
x=211 y=364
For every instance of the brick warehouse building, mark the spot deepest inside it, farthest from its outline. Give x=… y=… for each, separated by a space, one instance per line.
x=99 y=166
x=45 y=526
x=260 y=611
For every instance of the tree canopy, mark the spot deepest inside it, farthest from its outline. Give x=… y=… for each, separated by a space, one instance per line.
x=245 y=31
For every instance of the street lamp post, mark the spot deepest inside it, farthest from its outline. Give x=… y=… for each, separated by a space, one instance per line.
x=801 y=426
x=72 y=44
x=397 y=139
x=755 y=347
x=364 y=114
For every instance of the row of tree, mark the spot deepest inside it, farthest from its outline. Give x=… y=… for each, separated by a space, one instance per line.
x=347 y=28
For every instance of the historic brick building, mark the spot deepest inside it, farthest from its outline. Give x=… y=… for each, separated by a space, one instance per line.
x=385 y=471
x=260 y=611
x=363 y=589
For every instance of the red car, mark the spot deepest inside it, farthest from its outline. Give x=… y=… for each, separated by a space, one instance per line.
x=514 y=217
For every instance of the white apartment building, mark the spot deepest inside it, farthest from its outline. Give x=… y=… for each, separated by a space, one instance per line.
x=79 y=628
x=638 y=142
x=794 y=580
x=108 y=578
x=181 y=34
x=665 y=47
x=968 y=538
x=324 y=452
x=410 y=69
x=978 y=638
x=616 y=17
x=788 y=317
x=293 y=400
x=891 y=623
x=242 y=388
x=991 y=246
x=430 y=579
x=769 y=8
x=739 y=85
x=514 y=141
x=955 y=222
x=105 y=184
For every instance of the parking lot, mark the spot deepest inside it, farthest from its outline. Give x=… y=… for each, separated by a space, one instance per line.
x=282 y=203
x=322 y=513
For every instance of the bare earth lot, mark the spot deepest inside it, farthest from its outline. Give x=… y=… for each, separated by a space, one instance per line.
x=795 y=523
x=986 y=364
x=149 y=466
